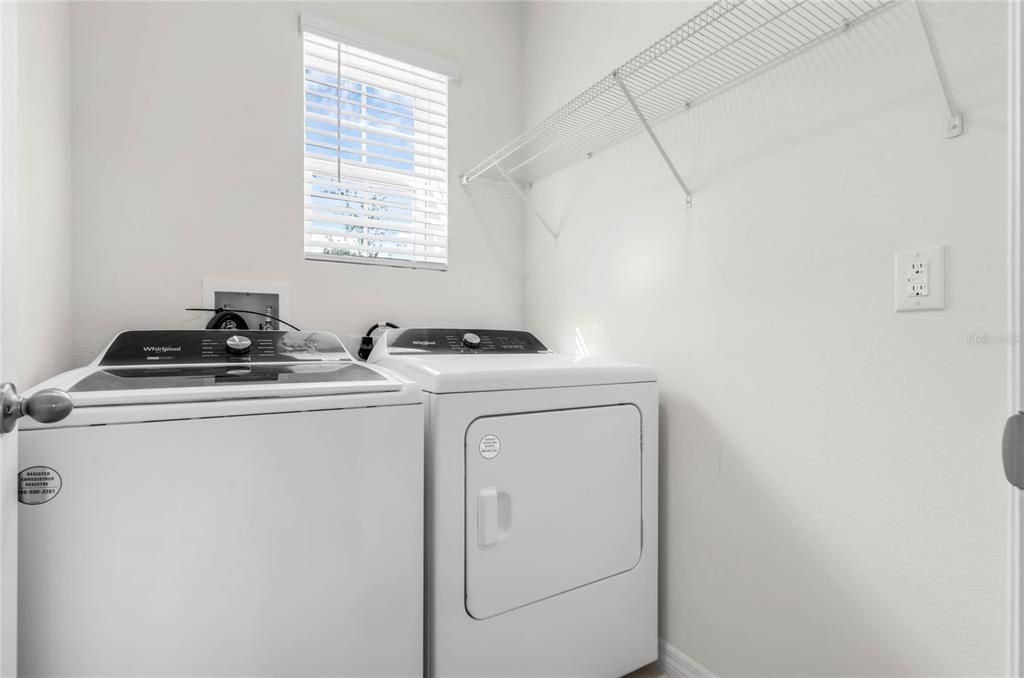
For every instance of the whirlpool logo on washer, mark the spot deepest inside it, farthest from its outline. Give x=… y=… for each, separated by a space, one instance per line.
x=162 y=349
x=38 y=485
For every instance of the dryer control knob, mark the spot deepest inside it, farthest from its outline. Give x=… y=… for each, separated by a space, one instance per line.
x=471 y=340
x=238 y=344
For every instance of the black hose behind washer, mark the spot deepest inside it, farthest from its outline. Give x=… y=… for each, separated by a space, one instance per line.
x=366 y=344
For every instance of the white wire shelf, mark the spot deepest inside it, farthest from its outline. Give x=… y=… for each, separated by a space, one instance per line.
x=726 y=43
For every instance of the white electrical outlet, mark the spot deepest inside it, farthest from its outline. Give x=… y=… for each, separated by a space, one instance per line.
x=921 y=279
x=917 y=279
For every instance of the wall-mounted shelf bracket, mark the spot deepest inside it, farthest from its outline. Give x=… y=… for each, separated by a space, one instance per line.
x=529 y=203
x=955 y=117
x=654 y=137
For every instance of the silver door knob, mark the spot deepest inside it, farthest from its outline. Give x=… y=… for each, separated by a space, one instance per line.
x=46 y=406
x=1013 y=450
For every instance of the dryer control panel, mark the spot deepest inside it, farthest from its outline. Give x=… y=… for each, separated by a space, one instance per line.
x=190 y=347
x=462 y=341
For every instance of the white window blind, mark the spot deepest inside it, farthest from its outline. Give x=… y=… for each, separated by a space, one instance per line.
x=376 y=157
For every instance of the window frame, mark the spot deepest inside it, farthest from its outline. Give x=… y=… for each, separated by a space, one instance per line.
x=407 y=55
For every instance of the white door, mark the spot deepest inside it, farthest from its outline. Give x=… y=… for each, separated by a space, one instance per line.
x=1016 y=405
x=8 y=442
x=552 y=504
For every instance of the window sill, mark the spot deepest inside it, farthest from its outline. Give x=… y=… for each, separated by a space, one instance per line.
x=372 y=261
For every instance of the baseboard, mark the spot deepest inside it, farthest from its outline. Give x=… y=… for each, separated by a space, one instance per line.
x=675 y=664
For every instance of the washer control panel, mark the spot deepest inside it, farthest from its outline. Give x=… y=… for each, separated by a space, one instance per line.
x=190 y=347
x=462 y=341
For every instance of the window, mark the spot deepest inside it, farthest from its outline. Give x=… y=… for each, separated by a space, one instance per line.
x=376 y=156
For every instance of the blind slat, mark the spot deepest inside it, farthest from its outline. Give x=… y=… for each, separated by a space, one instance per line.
x=419 y=150
x=333 y=73
x=365 y=69
x=422 y=136
x=418 y=117
x=371 y=220
x=328 y=165
x=386 y=85
x=358 y=240
x=378 y=249
x=420 y=263
x=419 y=160
x=370 y=201
x=387 y=198
x=360 y=96
x=376 y=116
x=433 y=222
x=397 y=192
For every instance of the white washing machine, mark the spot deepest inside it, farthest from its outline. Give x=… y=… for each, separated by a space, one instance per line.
x=224 y=503
x=542 y=495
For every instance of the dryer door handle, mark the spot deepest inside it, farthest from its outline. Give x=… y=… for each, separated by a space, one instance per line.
x=493 y=516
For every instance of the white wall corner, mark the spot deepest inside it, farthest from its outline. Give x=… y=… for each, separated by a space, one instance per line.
x=676 y=664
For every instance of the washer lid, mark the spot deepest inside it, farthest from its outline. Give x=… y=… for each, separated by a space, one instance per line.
x=147 y=367
x=196 y=383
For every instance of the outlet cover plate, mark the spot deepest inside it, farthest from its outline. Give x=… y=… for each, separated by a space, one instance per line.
x=920 y=282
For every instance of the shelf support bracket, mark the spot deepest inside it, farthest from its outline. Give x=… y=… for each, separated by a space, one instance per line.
x=526 y=201
x=955 y=119
x=654 y=137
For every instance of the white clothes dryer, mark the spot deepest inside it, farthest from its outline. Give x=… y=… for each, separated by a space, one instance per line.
x=542 y=495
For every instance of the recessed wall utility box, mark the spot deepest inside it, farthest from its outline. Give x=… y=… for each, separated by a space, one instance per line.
x=245 y=295
x=921 y=279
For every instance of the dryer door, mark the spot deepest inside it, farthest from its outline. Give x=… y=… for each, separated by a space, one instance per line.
x=552 y=504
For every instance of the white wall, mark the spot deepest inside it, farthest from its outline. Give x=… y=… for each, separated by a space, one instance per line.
x=44 y=192
x=833 y=498
x=187 y=163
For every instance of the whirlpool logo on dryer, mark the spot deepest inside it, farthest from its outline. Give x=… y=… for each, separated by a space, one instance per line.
x=161 y=349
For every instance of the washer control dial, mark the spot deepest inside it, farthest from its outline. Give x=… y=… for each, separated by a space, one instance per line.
x=238 y=344
x=471 y=340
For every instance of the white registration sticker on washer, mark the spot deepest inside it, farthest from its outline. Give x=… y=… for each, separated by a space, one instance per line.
x=38 y=485
x=490 y=446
